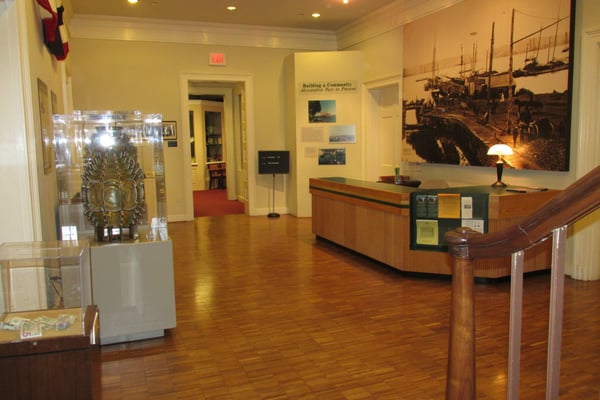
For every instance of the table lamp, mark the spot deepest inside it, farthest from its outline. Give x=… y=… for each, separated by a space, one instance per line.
x=499 y=150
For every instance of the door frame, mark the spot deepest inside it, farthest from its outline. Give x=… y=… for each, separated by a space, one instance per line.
x=228 y=139
x=248 y=170
x=371 y=124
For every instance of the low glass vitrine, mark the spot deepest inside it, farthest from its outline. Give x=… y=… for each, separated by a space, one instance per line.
x=44 y=290
x=48 y=328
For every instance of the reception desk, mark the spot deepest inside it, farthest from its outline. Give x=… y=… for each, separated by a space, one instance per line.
x=373 y=219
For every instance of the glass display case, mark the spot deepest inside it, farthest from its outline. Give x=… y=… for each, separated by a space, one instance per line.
x=110 y=176
x=49 y=330
x=44 y=290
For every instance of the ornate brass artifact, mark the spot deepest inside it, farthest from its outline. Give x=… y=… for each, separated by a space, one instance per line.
x=112 y=187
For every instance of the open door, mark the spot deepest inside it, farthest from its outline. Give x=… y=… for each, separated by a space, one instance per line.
x=383 y=126
x=208 y=145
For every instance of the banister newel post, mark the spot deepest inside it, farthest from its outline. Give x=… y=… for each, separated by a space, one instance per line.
x=460 y=383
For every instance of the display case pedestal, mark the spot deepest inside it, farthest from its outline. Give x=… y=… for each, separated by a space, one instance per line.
x=58 y=367
x=133 y=286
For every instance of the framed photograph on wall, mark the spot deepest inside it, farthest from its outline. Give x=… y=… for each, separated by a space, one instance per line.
x=322 y=111
x=332 y=156
x=46 y=133
x=483 y=72
x=169 y=130
x=342 y=134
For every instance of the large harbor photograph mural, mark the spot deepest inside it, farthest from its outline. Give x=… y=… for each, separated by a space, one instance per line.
x=485 y=72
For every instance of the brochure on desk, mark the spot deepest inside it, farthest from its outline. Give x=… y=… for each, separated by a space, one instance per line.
x=433 y=213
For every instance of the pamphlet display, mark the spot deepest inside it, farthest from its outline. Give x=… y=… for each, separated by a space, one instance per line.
x=433 y=213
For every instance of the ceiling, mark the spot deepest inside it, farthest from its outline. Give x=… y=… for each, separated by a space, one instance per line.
x=271 y=13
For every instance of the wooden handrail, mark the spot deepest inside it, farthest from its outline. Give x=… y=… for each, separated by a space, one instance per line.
x=466 y=245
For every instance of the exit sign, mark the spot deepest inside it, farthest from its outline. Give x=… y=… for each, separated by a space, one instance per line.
x=216 y=59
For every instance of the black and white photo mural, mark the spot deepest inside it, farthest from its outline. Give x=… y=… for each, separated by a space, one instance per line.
x=484 y=72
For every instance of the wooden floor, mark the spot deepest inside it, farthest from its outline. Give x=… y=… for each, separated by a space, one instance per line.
x=266 y=312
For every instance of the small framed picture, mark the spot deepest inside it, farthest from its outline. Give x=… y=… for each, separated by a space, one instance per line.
x=46 y=126
x=169 y=130
x=333 y=156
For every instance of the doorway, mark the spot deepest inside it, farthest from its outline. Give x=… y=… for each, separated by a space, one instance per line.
x=208 y=149
x=238 y=133
x=207 y=142
x=383 y=145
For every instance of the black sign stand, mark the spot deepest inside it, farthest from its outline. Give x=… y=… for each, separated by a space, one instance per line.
x=273 y=162
x=273 y=214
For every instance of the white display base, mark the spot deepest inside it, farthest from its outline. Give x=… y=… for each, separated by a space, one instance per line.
x=132 y=337
x=133 y=287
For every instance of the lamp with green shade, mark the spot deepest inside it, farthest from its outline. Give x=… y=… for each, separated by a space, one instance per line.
x=499 y=150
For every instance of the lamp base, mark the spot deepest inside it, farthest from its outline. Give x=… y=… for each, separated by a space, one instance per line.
x=272 y=215
x=499 y=168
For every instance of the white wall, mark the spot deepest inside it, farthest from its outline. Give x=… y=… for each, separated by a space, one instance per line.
x=17 y=206
x=29 y=194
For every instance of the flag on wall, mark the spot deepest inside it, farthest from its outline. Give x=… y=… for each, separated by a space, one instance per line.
x=55 y=31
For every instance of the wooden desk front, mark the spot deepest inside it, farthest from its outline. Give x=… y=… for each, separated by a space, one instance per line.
x=374 y=219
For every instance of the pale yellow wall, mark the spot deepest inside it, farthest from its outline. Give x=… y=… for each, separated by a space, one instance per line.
x=383 y=59
x=111 y=74
x=382 y=55
x=344 y=66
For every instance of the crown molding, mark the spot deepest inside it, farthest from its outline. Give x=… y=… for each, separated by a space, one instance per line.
x=170 y=31
x=387 y=18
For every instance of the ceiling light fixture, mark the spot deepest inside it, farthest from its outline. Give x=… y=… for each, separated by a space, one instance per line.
x=231 y=8
x=345 y=1
x=132 y=1
x=316 y=15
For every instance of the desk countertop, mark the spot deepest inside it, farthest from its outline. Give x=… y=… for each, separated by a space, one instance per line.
x=387 y=187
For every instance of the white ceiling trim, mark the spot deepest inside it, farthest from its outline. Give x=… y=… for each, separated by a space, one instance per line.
x=167 y=31
x=388 y=18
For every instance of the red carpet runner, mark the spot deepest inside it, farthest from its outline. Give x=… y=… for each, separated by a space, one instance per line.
x=208 y=203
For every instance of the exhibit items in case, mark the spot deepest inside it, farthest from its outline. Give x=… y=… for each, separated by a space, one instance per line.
x=110 y=175
x=44 y=290
x=49 y=330
x=112 y=187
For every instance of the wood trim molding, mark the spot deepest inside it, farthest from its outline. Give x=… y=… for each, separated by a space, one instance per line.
x=168 y=31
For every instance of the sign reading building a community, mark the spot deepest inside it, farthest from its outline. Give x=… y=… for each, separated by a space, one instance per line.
x=327 y=87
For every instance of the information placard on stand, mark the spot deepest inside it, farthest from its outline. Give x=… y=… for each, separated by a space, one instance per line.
x=273 y=162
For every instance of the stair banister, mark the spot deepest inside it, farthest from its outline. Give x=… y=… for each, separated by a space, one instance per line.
x=465 y=245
